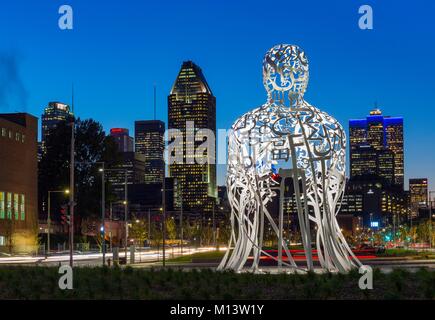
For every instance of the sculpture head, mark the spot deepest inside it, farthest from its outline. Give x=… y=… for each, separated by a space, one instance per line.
x=285 y=71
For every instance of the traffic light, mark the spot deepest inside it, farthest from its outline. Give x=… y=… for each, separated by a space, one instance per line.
x=64 y=216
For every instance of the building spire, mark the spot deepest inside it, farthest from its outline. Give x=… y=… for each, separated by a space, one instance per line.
x=376 y=111
x=155 y=101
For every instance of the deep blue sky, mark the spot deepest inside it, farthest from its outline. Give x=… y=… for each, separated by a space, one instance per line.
x=119 y=49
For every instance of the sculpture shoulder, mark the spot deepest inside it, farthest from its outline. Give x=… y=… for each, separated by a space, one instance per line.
x=324 y=118
x=263 y=114
x=250 y=118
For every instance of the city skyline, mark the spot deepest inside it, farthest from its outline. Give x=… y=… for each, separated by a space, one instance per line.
x=102 y=88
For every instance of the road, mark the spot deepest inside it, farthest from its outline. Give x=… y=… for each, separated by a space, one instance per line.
x=95 y=259
x=153 y=258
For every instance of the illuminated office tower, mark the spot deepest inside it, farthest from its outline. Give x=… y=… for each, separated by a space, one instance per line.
x=376 y=147
x=191 y=107
x=150 y=144
x=54 y=113
x=394 y=141
x=122 y=139
x=418 y=192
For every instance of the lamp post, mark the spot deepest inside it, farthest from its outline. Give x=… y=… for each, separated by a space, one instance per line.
x=214 y=225
x=164 y=220
x=71 y=187
x=181 y=223
x=125 y=206
x=126 y=212
x=431 y=201
x=149 y=227
x=49 y=216
x=103 y=207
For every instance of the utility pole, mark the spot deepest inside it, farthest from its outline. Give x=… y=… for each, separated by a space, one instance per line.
x=164 y=220
x=214 y=225
x=49 y=217
x=431 y=201
x=71 y=188
x=126 y=213
x=125 y=205
x=103 y=209
x=110 y=232
x=48 y=224
x=149 y=227
x=181 y=224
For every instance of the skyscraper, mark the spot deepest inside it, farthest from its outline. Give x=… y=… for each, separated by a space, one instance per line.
x=149 y=142
x=418 y=191
x=376 y=147
x=192 y=107
x=122 y=139
x=54 y=113
x=374 y=192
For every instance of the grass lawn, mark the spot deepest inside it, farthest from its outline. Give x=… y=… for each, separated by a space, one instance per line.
x=150 y=284
x=197 y=257
x=408 y=253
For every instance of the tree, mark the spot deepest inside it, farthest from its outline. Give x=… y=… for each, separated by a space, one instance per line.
x=156 y=233
x=92 y=145
x=139 y=230
x=171 y=228
x=207 y=235
x=412 y=233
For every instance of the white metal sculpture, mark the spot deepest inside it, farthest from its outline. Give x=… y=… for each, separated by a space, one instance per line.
x=286 y=138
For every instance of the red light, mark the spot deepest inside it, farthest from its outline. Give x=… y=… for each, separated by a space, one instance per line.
x=118 y=130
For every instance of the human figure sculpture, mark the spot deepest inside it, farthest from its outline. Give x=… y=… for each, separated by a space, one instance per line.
x=286 y=138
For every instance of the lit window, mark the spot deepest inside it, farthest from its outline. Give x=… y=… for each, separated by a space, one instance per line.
x=16 y=213
x=3 y=132
x=22 y=207
x=9 y=205
x=2 y=205
x=2 y=241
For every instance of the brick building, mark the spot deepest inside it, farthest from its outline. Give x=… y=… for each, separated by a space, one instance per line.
x=18 y=182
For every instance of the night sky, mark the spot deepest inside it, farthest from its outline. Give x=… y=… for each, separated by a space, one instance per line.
x=119 y=49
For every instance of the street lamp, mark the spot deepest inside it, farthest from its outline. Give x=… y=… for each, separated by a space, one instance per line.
x=431 y=201
x=163 y=209
x=103 y=208
x=164 y=219
x=49 y=218
x=125 y=202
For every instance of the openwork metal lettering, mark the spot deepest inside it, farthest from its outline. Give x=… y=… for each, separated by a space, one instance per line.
x=286 y=138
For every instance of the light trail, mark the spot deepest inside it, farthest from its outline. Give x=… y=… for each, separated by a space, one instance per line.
x=140 y=256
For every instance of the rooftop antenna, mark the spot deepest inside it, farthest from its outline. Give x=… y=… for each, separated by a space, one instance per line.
x=72 y=98
x=154 y=101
